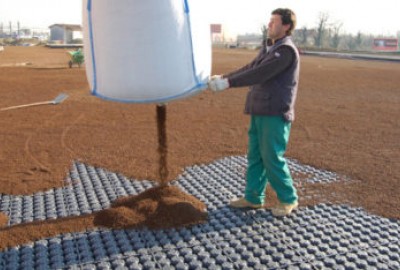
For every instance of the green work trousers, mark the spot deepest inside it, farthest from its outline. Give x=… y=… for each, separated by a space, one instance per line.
x=268 y=138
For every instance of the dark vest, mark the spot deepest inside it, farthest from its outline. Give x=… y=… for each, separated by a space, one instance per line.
x=278 y=95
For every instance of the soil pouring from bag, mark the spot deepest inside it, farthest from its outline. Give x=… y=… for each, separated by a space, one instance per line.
x=162 y=143
x=160 y=207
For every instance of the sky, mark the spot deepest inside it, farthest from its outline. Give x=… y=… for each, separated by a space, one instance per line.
x=379 y=17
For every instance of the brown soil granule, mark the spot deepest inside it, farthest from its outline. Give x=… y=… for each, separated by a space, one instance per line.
x=3 y=219
x=160 y=207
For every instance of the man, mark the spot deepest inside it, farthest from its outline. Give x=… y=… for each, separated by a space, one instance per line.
x=273 y=77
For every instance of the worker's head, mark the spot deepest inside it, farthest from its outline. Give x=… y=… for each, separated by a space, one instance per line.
x=282 y=23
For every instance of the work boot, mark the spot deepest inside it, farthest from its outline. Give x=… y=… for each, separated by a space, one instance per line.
x=284 y=209
x=243 y=203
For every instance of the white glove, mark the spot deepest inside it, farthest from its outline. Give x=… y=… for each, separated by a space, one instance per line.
x=218 y=84
x=213 y=77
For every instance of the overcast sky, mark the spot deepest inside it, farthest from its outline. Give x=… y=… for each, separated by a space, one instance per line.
x=239 y=16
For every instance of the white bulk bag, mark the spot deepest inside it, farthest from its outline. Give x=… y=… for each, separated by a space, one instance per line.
x=145 y=51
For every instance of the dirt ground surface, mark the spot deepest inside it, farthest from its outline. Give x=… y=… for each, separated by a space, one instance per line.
x=3 y=220
x=346 y=122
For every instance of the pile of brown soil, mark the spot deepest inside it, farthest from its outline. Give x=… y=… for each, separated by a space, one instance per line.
x=161 y=207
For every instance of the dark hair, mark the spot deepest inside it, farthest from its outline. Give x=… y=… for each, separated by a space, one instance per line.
x=288 y=17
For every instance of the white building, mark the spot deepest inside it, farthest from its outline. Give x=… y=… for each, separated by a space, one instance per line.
x=65 y=33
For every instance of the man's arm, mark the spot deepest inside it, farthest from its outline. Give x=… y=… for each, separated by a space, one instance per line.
x=242 y=69
x=263 y=71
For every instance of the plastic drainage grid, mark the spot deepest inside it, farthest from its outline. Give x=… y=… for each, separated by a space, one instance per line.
x=321 y=237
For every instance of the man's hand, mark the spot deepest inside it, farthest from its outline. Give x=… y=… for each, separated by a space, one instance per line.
x=217 y=83
x=213 y=77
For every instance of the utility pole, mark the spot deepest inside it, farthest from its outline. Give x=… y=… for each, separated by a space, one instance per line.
x=10 y=30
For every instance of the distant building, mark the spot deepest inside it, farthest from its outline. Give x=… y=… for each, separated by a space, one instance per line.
x=398 y=38
x=25 y=33
x=64 y=34
x=14 y=31
x=250 y=41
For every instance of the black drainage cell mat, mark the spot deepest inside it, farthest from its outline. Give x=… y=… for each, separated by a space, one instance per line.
x=322 y=237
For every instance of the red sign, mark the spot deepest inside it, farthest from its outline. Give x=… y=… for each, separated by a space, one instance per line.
x=216 y=28
x=385 y=44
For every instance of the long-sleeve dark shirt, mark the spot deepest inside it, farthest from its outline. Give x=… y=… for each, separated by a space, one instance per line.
x=262 y=69
x=273 y=78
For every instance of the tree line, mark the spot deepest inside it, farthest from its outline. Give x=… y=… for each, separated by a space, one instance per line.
x=329 y=35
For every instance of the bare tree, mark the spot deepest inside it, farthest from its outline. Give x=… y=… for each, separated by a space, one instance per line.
x=359 y=40
x=304 y=35
x=321 y=29
x=264 y=32
x=332 y=34
x=335 y=41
